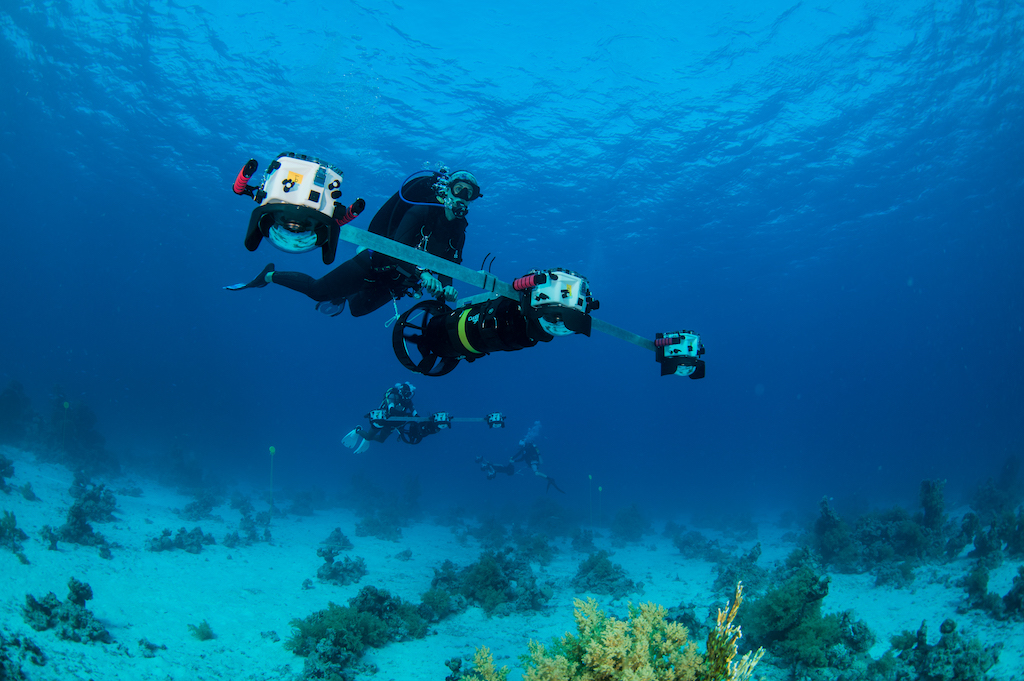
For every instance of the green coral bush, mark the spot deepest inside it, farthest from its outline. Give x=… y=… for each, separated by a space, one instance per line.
x=952 y=658
x=646 y=647
x=500 y=582
x=788 y=619
x=334 y=638
x=598 y=574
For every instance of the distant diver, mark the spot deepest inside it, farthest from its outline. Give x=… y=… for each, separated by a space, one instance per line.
x=397 y=402
x=429 y=213
x=528 y=454
x=397 y=414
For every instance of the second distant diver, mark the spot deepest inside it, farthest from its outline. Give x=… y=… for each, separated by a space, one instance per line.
x=527 y=454
x=428 y=212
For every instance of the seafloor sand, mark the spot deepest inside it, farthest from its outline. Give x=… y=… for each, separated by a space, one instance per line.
x=245 y=591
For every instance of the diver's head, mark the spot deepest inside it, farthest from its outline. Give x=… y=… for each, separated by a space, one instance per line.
x=406 y=390
x=457 y=193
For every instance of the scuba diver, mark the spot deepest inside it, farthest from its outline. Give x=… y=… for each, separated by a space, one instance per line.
x=429 y=213
x=397 y=403
x=528 y=453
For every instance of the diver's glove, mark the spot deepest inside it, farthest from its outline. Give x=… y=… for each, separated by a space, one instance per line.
x=431 y=284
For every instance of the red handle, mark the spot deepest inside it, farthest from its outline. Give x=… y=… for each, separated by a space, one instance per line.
x=529 y=281
x=244 y=174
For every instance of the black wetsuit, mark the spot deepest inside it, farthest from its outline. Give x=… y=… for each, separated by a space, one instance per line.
x=393 y=405
x=369 y=280
x=528 y=454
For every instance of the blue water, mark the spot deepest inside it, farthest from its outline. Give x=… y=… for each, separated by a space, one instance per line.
x=831 y=194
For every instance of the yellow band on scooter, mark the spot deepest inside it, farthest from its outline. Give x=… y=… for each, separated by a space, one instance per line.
x=462 y=333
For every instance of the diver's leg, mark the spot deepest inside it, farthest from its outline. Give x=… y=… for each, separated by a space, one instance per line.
x=342 y=281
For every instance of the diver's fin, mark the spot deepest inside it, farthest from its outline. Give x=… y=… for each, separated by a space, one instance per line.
x=258 y=282
x=551 y=483
x=352 y=438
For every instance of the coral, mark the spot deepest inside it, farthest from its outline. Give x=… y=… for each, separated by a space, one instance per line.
x=693 y=544
x=13 y=653
x=6 y=471
x=952 y=658
x=148 y=649
x=491 y=534
x=436 y=604
x=71 y=620
x=995 y=497
x=50 y=536
x=1013 y=532
x=402 y=619
x=74 y=441
x=333 y=639
x=10 y=536
x=629 y=526
x=788 y=620
x=583 y=541
x=1013 y=601
x=533 y=546
x=249 y=528
x=645 y=646
x=27 y=493
x=77 y=530
x=933 y=505
x=742 y=569
x=499 y=582
x=200 y=508
x=189 y=540
x=337 y=540
x=94 y=502
x=597 y=574
x=832 y=539
x=202 y=631
x=242 y=504
x=339 y=573
x=970 y=525
x=483 y=667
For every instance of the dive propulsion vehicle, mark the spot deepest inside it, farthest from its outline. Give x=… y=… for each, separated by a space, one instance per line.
x=299 y=211
x=300 y=208
x=431 y=338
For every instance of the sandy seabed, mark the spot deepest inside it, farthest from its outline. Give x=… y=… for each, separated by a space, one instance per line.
x=248 y=591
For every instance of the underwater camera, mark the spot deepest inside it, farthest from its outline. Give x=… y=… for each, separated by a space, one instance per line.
x=679 y=353
x=300 y=208
x=431 y=338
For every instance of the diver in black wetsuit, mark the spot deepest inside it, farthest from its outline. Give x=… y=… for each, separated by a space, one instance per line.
x=397 y=402
x=428 y=213
x=529 y=454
